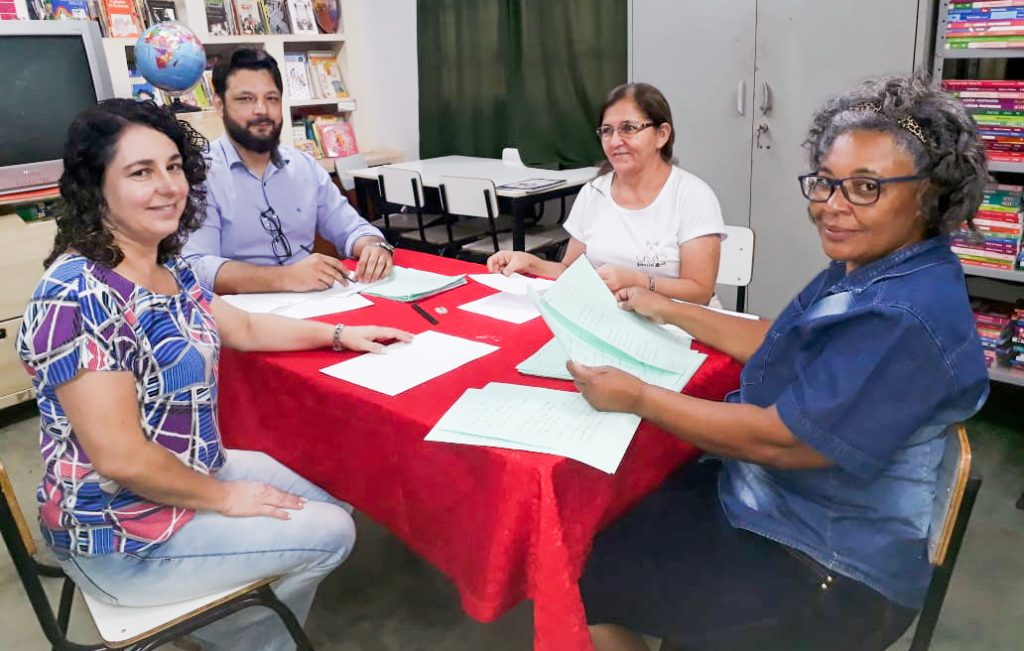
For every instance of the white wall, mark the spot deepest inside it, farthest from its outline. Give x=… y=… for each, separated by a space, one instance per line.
x=382 y=69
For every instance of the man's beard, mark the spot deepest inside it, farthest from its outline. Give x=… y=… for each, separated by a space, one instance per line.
x=250 y=141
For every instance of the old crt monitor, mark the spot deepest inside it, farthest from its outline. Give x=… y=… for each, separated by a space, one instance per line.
x=50 y=71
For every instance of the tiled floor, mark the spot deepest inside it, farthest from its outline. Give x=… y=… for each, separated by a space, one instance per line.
x=386 y=599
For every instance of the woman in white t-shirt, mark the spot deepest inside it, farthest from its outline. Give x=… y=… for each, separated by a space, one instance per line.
x=643 y=222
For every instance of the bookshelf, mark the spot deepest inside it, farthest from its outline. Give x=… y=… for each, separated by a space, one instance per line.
x=985 y=63
x=120 y=53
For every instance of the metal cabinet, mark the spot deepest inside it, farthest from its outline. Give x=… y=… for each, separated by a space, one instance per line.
x=743 y=78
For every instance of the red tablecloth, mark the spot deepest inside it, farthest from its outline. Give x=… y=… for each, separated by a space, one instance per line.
x=503 y=525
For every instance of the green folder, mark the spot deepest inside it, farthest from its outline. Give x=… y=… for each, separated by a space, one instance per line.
x=408 y=285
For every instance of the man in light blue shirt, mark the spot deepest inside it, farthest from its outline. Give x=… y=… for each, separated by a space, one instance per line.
x=266 y=202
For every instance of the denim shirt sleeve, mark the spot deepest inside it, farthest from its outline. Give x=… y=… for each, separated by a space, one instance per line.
x=336 y=219
x=880 y=377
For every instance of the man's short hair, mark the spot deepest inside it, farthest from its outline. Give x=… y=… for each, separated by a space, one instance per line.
x=244 y=58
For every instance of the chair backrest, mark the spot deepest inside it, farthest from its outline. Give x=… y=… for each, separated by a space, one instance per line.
x=510 y=156
x=951 y=511
x=345 y=165
x=954 y=470
x=396 y=186
x=468 y=197
x=736 y=264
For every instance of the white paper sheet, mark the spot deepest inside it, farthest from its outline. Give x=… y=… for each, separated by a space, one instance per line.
x=541 y=420
x=324 y=305
x=282 y=302
x=405 y=365
x=513 y=283
x=513 y=308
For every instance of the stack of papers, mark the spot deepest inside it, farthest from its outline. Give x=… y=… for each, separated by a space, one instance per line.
x=408 y=285
x=590 y=328
x=555 y=422
x=302 y=305
x=511 y=303
x=404 y=365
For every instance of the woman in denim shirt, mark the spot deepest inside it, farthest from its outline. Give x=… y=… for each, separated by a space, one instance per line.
x=811 y=533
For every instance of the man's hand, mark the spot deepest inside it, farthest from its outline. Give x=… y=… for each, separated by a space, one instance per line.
x=617 y=278
x=317 y=272
x=374 y=264
x=365 y=338
x=251 y=498
x=644 y=302
x=607 y=388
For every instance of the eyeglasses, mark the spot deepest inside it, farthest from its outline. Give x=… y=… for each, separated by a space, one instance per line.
x=626 y=129
x=858 y=190
x=279 y=243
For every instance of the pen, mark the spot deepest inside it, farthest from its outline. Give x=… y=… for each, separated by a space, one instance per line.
x=423 y=313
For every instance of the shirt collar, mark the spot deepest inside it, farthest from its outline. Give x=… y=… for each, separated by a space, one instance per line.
x=278 y=157
x=904 y=260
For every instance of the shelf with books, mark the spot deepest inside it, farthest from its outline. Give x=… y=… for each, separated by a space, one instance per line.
x=979 y=58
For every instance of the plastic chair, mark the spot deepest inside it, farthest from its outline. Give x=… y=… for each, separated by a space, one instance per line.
x=736 y=264
x=477 y=198
x=138 y=629
x=951 y=511
x=403 y=188
x=342 y=166
x=510 y=156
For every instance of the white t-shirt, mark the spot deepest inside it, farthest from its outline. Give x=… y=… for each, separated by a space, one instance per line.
x=647 y=239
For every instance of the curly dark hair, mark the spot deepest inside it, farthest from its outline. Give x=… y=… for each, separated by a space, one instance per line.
x=947 y=150
x=90 y=145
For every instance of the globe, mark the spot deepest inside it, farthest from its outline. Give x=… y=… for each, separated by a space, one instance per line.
x=170 y=56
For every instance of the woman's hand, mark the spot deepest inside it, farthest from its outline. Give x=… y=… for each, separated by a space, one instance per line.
x=618 y=278
x=365 y=338
x=509 y=262
x=607 y=388
x=644 y=302
x=251 y=498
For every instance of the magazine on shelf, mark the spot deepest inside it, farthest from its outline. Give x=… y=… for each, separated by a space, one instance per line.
x=277 y=15
x=296 y=75
x=300 y=13
x=531 y=185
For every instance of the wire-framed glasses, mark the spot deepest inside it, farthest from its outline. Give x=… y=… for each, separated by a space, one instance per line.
x=625 y=129
x=858 y=190
x=279 y=243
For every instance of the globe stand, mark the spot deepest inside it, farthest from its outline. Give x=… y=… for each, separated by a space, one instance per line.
x=178 y=106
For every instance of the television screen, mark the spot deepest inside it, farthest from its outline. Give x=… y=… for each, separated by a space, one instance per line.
x=46 y=82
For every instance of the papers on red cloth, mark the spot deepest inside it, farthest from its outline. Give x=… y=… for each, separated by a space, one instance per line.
x=403 y=366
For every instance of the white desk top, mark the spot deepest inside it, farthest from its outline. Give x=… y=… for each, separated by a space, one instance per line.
x=432 y=169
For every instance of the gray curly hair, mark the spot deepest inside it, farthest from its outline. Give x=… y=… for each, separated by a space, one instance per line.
x=930 y=125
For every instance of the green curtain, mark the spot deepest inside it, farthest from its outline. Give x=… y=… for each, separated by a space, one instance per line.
x=517 y=73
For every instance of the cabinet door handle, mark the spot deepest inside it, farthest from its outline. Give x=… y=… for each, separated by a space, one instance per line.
x=741 y=97
x=766 y=98
x=3 y=333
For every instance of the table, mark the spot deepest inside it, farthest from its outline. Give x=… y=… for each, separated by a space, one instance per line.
x=502 y=525
x=519 y=204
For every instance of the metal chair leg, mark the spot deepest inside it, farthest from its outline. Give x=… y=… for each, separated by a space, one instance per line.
x=67 y=595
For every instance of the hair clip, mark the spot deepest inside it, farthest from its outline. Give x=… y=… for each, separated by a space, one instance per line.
x=907 y=122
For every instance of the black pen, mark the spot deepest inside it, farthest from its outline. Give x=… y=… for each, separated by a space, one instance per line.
x=423 y=313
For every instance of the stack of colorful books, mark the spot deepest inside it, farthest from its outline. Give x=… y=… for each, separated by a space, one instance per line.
x=991 y=24
x=997 y=105
x=994 y=320
x=1017 y=340
x=995 y=240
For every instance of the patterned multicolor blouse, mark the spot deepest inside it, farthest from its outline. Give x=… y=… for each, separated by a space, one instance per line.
x=84 y=316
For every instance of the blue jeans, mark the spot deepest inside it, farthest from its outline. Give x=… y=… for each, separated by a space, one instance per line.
x=214 y=552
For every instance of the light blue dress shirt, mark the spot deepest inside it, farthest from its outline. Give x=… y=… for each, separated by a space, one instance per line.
x=294 y=185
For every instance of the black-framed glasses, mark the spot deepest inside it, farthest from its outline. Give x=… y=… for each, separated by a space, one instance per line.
x=279 y=243
x=626 y=129
x=858 y=190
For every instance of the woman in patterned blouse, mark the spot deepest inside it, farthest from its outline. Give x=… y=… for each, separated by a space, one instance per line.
x=139 y=501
